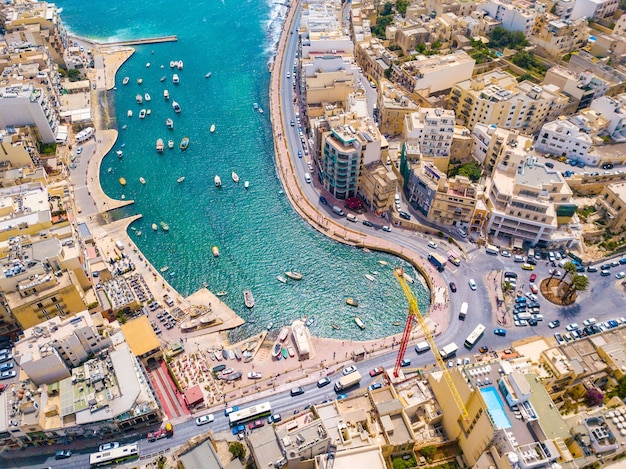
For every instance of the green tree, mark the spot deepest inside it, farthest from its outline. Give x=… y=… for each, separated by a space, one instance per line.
x=387 y=9
x=471 y=170
x=620 y=390
x=428 y=452
x=388 y=73
x=578 y=283
x=237 y=450
x=570 y=270
x=401 y=6
x=73 y=74
x=501 y=38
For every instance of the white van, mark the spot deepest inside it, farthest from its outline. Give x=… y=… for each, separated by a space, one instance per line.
x=307 y=178
x=338 y=210
x=352 y=218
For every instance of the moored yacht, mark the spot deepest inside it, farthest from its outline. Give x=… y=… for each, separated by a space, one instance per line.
x=160 y=145
x=235 y=176
x=175 y=79
x=139 y=99
x=147 y=97
x=180 y=65
x=169 y=123
x=175 y=106
x=218 y=181
x=142 y=113
x=125 y=81
x=170 y=144
x=166 y=95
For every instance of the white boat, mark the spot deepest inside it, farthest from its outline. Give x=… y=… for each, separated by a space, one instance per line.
x=359 y=322
x=212 y=129
x=218 y=181
x=169 y=123
x=208 y=75
x=139 y=81
x=371 y=278
x=125 y=81
x=119 y=154
x=148 y=65
x=148 y=112
x=124 y=127
x=166 y=95
x=160 y=145
x=282 y=279
x=139 y=99
x=235 y=176
x=383 y=262
x=180 y=179
x=154 y=227
x=129 y=113
x=164 y=269
x=260 y=110
x=248 y=299
x=180 y=65
x=246 y=184
x=172 y=63
x=142 y=113
x=294 y=275
x=170 y=144
x=176 y=106
x=408 y=278
x=147 y=97
x=255 y=106
x=276 y=349
x=284 y=332
x=175 y=79
x=142 y=180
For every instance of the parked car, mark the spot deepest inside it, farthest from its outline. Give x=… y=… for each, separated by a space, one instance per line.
x=387 y=228
x=348 y=370
x=527 y=266
x=404 y=215
x=374 y=386
x=405 y=362
x=323 y=382
x=376 y=371
x=230 y=410
x=367 y=223
x=323 y=200
x=297 y=391
x=592 y=268
x=274 y=418
x=620 y=275
x=205 y=419
x=63 y=454
x=108 y=446
x=533 y=277
x=571 y=327
x=7 y=374
x=483 y=349
x=6 y=366
x=256 y=424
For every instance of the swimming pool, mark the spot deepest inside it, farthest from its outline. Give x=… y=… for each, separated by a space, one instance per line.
x=496 y=407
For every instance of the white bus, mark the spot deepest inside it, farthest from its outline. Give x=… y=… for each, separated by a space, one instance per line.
x=263 y=409
x=474 y=336
x=113 y=456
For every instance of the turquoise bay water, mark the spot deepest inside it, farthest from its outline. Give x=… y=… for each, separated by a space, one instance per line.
x=258 y=233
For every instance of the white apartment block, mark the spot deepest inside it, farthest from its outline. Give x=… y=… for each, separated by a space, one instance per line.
x=582 y=87
x=496 y=145
x=600 y=9
x=433 y=129
x=511 y=16
x=431 y=75
x=563 y=8
x=25 y=105
x=564 y=138
x=614 y=111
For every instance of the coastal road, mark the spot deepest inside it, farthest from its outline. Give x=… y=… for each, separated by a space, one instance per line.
x=85 y=204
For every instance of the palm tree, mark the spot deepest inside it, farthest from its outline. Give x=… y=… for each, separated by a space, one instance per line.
x=570 y=269
x=578 y=283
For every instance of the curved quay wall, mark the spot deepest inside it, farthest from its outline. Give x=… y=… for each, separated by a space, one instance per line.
x=286 y=173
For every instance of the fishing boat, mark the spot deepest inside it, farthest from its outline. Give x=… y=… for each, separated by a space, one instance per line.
x=260 y=110
x=175 y=79
x=142 y=180
x=122 y=181
x=248 y=359
x=212 y=355
x=218 y=355
x=176 y=107
x=218 y=181
x=270 y=325
x=246 y=184
x=139 y=99
x=166 y=95
x=383 y=262
x=221 y=293
x=396 y=323
x=142 y=114
x=154 y=226
x=159 y=145
x=216 y=251
x=147 y=97
x=148 y=65
x=164 y=269
x=255 y=106
x=276 y=349
x=281 y=279
x=359 y=322
x=224 y=354
x=139 y=233
x=180 y=179
x=294 y=275
x=208 y=75
x=164 y=226
x=163 y=78
x=285 y=352
x=125 y=81
x=184 y=143
x=109 y=170
x=235 y=176
x=248 y=299
x=170 y=144
x=129 y=113
x=284 y=332
x=231 y=354
x=334 y=326
x=292 y=352
x=237 y=354
x=212 y=129
x=119 y=154
x=370 y=277
x=352 y=302
x=408 y=278
x=169 y=123
x=139 y=81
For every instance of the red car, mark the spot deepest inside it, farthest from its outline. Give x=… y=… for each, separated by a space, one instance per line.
x=377 y=371
x=533 y=277
x=256 y=424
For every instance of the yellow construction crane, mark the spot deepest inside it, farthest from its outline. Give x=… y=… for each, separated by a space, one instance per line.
x=414 y=314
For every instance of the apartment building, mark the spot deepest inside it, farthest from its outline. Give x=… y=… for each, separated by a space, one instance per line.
x=556 y=36
x=594 y=9
x=513 y=16
x=563 y=8
x=462 y=145
x=493 y=144
x=582 y=61
x=497 y=98
x=529 y=202
x=455 y=203
x=582 y=88
x=427 y=76
x=350 y=144
x=374 y=58
x=433 y=130
x=614 y=111
x=393 y=106
x=26 y=105
x=328 y=79
x=378 y=187
x=612 y=203
x=564 y=138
